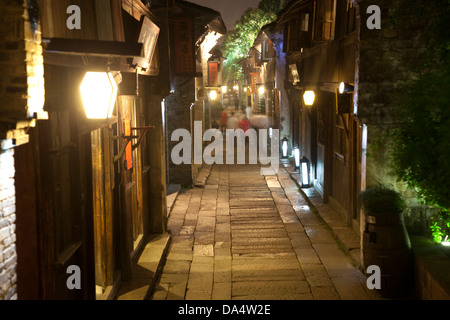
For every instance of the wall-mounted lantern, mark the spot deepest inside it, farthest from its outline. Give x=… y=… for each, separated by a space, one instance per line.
x=224 y=89
x=309 y=97
x=213 y=94
x=305 y=175
x=99 y=93
x=261 y=90
x=297 y=157
x=284 y=148
x=345 y=87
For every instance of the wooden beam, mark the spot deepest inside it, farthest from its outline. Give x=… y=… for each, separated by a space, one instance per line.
x=94 y=47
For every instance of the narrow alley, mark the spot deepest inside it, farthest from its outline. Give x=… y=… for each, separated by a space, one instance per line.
x=118 y=120
x=247 y=236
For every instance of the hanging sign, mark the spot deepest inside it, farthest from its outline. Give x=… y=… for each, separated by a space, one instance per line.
x=129 y=149
x=213 y=74
x=183 y=38
x=255 y=81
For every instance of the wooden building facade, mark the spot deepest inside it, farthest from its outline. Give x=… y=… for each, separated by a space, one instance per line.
x=320 y=41
x=195 y=32
x=92 y=191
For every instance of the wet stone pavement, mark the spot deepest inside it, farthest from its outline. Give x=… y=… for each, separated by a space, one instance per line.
x=245 y=236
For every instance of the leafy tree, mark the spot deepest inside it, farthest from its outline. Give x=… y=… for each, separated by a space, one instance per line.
x=241 y=39
x=420 y=147
x=274 y=6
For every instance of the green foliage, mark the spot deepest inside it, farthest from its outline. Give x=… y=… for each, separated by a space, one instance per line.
x=379 y=200
x=241 y=39
x=420 y=147
x=274 y=6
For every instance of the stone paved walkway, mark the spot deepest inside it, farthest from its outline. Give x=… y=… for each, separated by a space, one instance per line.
x=248 y=236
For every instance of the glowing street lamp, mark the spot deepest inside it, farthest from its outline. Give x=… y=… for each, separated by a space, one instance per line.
x=224 y=89
x=261 y=90
x=308 y=97
x=213 y=94
x=284 y=148
x=345 y=87
x=297 y=157
x=305 y=172
x=99 y=93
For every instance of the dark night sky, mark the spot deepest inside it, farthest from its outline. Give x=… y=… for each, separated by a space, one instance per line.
x=231 y=10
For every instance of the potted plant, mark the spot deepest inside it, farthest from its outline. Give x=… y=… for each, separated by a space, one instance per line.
x=386 y=242
x=380 y=200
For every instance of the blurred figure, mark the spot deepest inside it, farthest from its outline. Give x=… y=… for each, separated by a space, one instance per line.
x=233 y=122
x=244 y=124
x=248 y=111
x=223 y=119
x=258 y=121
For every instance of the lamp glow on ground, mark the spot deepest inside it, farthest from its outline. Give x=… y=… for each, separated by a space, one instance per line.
x=99 y=93
x=309 y=97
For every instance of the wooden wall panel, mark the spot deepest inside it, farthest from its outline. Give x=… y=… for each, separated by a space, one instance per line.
x=100 y=19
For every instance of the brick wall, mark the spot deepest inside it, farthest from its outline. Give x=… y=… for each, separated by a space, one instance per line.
x=21 y=64
x=21 y=96
x=8 y=256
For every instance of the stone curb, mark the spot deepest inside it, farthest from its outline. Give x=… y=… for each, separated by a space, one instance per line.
x=147 y=271
x=202 y=176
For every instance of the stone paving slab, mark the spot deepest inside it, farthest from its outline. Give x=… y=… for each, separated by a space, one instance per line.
x=243 y=236
x=264 y=287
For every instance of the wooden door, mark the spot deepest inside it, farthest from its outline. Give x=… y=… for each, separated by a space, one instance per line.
x=63 y=222
x=342 y=166
x=131 y=185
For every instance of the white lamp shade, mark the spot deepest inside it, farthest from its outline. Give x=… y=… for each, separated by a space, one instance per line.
x=99 y=93
x=285 y=148
x=305 y=177
x=213 y=94
x=297 y=157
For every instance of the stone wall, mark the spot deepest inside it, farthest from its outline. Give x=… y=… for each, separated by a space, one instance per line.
x=388 y=58
x=8 y=255
x=178 y=116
